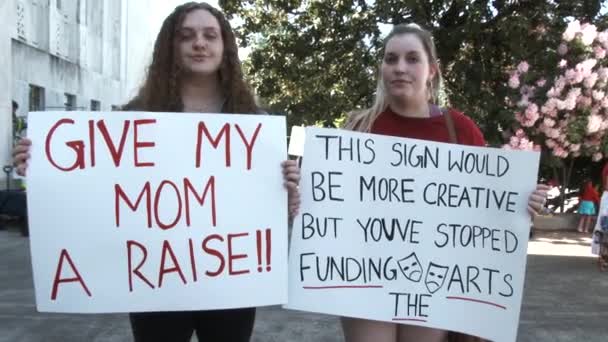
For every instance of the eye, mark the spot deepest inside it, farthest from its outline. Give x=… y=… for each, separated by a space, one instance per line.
x=211 y=36
x=431 y=273
x=440 y=276
x=390 y=59
x=413 y=59
x=185 y=34
x=406 y=268
x=414 y=264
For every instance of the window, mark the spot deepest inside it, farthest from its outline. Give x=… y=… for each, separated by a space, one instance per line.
x=58 y=3
x=70 y=101
x=95 y=105
x=36 y=98
x=115 y=108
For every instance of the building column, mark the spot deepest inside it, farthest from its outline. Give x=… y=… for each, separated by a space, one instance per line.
x=7 y=10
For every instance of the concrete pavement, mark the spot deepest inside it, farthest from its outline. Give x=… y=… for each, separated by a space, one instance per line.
x=566 y=300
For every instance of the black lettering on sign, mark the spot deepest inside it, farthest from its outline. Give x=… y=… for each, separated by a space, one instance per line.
x=386 y=189
x=325 y=186
x=415 y=156
x=457 y=196
x=312 y=226
x=410 y=304
x=471 y=236
x=483 y=164
x=377 y=229
x=350 y=149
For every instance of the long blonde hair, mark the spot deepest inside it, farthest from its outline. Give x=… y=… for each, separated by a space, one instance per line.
x=362 y=120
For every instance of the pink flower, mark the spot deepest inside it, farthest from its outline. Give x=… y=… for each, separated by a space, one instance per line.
x=573 y=28
x=541 y=82
x=558 y=151
x=590 y=80
x=598 y=95
x=514 y=82
x=523 y=67
x=552 y=133
x=589 y=34
x=602 y=73
x=586 y=66
x=605 y=102
x=560 y=83
x=575 y=76
x=584 y=102
x=562 y=64
x=569 y=103
x=549 y=122
x=553 y=92
x=602 y=38
x=523 y=102
x=553 y=113
x=530 y=115
x=593 y=124
x=550 y=143
x=575 y=147
x=575 y=92
x=599 y=52
x=597 y=157
x=562 y=49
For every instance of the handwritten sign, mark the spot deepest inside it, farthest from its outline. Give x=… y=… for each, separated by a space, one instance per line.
x=410 y=231
x=138 y=211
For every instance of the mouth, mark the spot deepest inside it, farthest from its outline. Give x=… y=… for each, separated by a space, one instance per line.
x=198 y=58
x=400 y=83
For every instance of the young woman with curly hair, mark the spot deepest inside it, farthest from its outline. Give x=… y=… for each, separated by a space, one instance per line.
x=195 y=68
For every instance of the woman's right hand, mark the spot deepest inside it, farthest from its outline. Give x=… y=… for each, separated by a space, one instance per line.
x=21 y=154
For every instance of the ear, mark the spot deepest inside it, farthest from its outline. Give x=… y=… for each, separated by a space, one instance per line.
x=433 y=71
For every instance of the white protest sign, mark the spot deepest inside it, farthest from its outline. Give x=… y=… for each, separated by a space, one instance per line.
x=411 y=231
x=136 y=211
x=296 y=141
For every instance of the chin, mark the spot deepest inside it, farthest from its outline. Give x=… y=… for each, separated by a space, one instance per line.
x=202 y=71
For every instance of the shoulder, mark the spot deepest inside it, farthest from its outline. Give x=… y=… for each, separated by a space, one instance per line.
x=132 y=106
x=468 y=131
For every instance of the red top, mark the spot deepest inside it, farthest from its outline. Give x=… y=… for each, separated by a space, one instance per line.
x=604 y=175
x=432 y=128
x=589 y=194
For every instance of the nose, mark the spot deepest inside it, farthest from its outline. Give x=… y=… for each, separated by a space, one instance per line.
x=400 y=66
x=199 y=41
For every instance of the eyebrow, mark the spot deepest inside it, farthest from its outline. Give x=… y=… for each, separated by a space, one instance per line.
x=415 y=52
x=204 y=28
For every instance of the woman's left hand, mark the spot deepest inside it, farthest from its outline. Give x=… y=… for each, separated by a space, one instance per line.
x=538 y=198
x=291 y=177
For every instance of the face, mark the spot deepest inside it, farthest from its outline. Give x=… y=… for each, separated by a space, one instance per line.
x=200 y=44
x=406 y=68
x=435 y=276
x=411 y=268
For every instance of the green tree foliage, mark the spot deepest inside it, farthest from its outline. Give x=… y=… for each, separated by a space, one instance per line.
x=317 y=60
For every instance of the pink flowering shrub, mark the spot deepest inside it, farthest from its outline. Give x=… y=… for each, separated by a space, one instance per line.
x=563 y=108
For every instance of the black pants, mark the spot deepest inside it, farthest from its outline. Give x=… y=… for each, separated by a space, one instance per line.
x=210 y=326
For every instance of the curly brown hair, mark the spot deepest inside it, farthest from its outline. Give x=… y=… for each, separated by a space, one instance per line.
x=160 y=90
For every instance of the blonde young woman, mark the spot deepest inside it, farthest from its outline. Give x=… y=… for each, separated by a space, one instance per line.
x=405 y=106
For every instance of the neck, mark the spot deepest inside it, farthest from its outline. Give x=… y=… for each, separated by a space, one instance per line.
x=410 y=109
x=201 y=94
